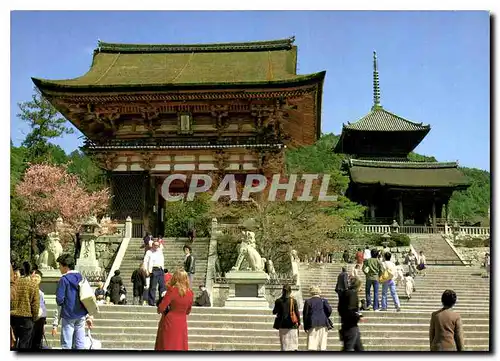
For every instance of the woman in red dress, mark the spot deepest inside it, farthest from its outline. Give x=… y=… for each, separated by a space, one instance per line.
x=172 y=329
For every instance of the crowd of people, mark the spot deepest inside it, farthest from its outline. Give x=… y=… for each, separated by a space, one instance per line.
x=174 y=301
x=446 y=333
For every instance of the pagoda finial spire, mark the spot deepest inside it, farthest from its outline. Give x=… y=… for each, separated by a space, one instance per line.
x=376 y=85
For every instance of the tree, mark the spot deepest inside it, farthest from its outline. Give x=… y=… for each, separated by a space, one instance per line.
x=48 y=192
x=45 y=123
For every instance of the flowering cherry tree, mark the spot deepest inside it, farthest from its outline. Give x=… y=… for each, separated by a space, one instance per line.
x=48 y=192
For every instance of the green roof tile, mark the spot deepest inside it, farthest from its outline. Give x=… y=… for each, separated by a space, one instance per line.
x=407 y=174
x=380 y=120
x=129 y=65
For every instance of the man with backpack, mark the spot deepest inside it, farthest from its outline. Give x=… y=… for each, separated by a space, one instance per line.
x=372 y=270
x=389 y=272
x=73 y=313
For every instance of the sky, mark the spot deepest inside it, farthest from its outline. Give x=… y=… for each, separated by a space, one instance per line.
x=434 y=66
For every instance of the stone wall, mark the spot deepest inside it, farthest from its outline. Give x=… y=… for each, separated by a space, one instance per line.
x=106 y=248
x=475 y=254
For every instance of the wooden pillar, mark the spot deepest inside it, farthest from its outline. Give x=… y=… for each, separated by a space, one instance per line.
x=372 y=211
x=434 y=212
x=401 y=219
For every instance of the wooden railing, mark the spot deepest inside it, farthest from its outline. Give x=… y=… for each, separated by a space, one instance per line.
x=421 y=229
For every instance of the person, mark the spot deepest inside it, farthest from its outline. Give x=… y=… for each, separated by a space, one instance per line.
x=345 y=256
x=148 y=242
x=172 y=329
x=359 y=257
x=367 y=253
x=316 y=313
x=203 y=299
x=25 y=308
x=342 y=281
x=123 y=296
x=399 y=279
x=72 y=313
x=100 y=294
x=385 y=250
x=372 y=270
x=154 y=263
x=286 y=308
x=389 y=268
x=411 y=259
x=167 y=277
x=409 y=285
x=445 y=331
x=422 y=263
x=160 y=241
x=191 y=231
x=487 y=264
x=356 y=271
x=189 y=264
x=13 y=281
x=138 y=280
x=114 y=287
x=39 y=325
x=350 y=316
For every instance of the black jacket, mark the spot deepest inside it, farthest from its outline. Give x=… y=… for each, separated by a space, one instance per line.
x=349 y=308
x=203 y=300
x=114 y=289
x=282 y=311
x=317 y=310
x=138 y=279
x=342 y=282
x=189 y=264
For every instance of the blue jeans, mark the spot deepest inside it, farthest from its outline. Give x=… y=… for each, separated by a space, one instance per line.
x=157 y=279
x=392 y=286
x=73 y=333
x=368 y=286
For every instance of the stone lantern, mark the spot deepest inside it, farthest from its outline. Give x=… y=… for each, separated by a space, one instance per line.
x=386 y=238
x=87 y=261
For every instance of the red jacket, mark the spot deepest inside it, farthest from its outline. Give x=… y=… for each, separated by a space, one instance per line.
x=167 y=278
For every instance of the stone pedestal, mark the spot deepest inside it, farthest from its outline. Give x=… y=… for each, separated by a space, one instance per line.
x=247 y=289
x=50 y=280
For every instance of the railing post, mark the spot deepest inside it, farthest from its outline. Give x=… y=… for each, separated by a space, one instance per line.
x=128 y=227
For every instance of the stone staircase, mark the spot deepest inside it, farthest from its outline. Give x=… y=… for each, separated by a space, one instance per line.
x=223 y=329
x=435 y=248
x=174 y=258
x=408 y=330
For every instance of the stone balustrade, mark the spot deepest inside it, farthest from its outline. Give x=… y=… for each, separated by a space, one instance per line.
x=377 y=228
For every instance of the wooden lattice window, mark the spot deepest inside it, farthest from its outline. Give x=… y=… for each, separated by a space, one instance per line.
x=128 y=196
x=185 y=123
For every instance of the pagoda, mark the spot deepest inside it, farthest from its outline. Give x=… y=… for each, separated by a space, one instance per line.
x=381 y=176
x=148 y=111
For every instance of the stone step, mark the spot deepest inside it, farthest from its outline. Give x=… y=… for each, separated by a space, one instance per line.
x=244 y=318
x=368 y=330
x=209 y=346
x=381 y=339
x=267 y=324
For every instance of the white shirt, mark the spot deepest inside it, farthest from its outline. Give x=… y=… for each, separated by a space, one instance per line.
x=154 y=259
x=367 y=254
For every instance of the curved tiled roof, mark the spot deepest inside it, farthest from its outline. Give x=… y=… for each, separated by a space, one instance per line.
x=407 y=174
x=282 y=44
x=380 y=120
x=140 y=66
x=401 y=164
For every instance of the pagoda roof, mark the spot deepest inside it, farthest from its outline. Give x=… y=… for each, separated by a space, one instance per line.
x=381 y=120
x=141 y=66
x=407 y=174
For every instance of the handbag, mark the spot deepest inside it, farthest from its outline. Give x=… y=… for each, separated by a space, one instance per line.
x=45 y=343
x=293 y=316
x=91 y=343
x=329 y=321
x=87 y=297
